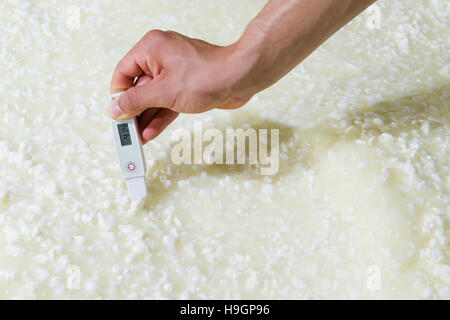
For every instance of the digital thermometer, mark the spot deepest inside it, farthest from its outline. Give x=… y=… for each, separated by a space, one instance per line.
x=130 y=154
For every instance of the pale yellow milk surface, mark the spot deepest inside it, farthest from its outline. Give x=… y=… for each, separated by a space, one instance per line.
x=358 y=209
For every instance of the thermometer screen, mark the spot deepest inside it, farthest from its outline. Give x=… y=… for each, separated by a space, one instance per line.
x=124 y=133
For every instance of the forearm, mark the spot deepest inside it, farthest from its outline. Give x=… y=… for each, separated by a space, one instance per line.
x=181 y=74
x=284 y=33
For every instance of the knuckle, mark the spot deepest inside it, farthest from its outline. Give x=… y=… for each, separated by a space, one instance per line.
x=154 y=33
x=154 y=37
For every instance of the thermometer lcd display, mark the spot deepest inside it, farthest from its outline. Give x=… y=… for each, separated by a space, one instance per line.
x=124 y=134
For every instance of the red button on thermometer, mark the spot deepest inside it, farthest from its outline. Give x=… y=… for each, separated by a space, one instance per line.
x=129 y=153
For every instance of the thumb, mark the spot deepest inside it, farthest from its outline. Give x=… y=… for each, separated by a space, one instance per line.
x=137 y=99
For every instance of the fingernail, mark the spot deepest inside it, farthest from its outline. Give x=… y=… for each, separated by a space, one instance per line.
x=114 y=109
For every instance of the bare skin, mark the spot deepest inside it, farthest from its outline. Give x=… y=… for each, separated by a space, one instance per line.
x=178 y=74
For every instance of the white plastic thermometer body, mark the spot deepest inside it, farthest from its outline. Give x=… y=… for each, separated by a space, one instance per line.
x=129 y=153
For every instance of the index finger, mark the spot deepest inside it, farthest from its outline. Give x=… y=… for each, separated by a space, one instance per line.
x=126 y=71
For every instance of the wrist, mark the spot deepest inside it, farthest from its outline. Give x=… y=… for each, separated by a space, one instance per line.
x=245 y=68
x=255 y=60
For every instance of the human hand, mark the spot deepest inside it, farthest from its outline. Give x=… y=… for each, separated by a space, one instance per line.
x=180 y=74
x=175 y=74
